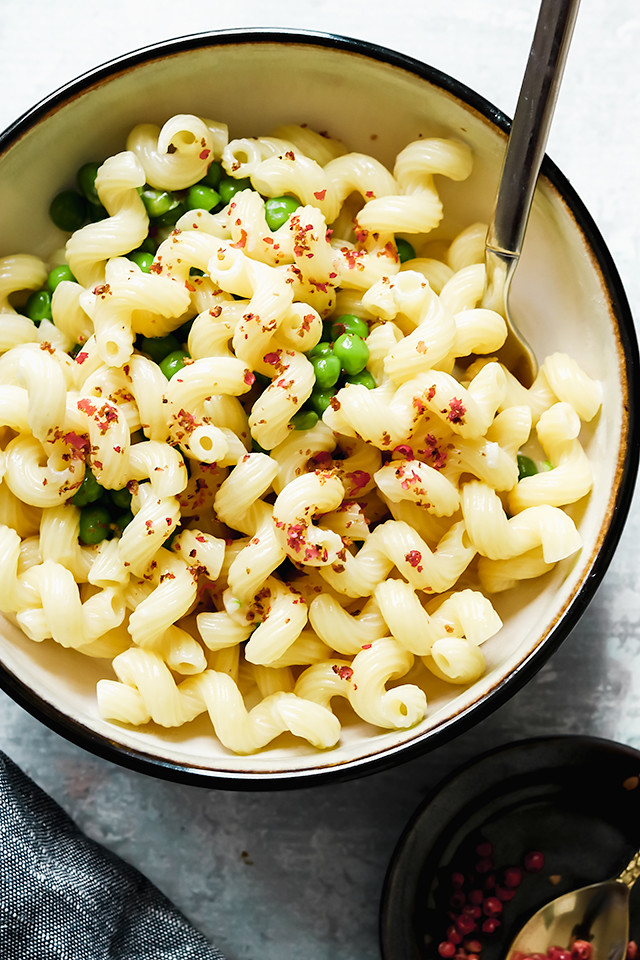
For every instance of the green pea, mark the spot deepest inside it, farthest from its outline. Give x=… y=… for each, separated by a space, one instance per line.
x=405 y=250
x=526 y=467
x=213 y=175
x=68 y=210
x=157 y=202
x=172 y=215
x=349 y=323
x=148 y=245
x=121 y=498
x=277 y=210
x=173 y=362
x=322 y=349
x=327 y=370
x=95 y=524
x=160 y=347
x=201 y=197
x=304 y=419
x=96 y=212
x=320 y=400
x=196 y=272
x=86 y=180
x=58 y=274
x=365 y=378
x=352 y=352
x=228 y=187
x=546 y=465
x=122 y=520
x=38 y=306
x=142 y=259
x=89 y=490
x=168 y=543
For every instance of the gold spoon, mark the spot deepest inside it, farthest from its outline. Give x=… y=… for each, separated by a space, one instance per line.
x=523 y=157
x=598 y=913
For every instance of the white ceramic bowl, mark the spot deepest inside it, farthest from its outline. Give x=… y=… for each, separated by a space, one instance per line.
x=567 y=295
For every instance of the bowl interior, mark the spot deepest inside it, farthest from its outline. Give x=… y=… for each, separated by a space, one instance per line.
x=566 y=295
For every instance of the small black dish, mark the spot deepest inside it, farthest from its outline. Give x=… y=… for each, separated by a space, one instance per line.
x=575 y=799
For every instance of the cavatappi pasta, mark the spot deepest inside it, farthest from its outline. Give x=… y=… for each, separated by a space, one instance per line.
x=245 y=455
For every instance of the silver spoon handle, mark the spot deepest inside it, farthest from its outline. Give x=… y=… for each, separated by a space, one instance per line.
x=531 y=123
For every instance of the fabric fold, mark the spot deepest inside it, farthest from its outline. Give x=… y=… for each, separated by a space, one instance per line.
x=64 y=897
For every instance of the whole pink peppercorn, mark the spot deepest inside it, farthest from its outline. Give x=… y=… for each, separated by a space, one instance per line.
x=446 y=948
x=580 y=950
x=454 y=935
x=489 y=881
x=558 y=953
x=492 y=907
x=534 y=861
x=465 y=924
x=505 y=893
x=512 y=877
x=472 y=946
x=471 y=910
x=484 y=849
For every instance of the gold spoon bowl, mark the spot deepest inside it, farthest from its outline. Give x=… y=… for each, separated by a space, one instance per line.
x=598 y=913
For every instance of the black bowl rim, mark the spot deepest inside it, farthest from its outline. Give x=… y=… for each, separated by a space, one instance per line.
x=267 y=779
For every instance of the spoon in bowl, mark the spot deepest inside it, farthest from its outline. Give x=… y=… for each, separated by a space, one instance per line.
x=523 y=157
x=598 y=913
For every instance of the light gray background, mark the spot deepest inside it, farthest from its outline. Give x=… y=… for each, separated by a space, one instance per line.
x=299 y=874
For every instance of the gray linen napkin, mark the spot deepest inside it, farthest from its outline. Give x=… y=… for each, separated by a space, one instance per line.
x=64 y=897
